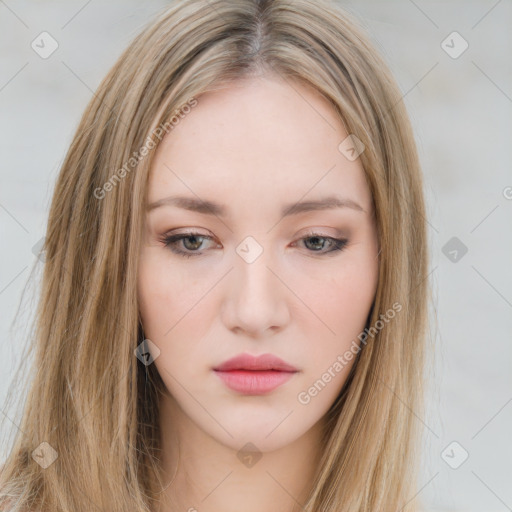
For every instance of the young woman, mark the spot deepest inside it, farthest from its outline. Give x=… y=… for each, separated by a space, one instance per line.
x=234 y=301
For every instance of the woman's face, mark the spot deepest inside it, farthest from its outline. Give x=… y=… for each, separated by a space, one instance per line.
x=253 y=265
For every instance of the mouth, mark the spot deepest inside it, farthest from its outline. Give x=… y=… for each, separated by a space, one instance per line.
x=251 y=375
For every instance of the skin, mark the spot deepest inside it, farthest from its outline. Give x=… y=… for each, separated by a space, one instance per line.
x=252 y=147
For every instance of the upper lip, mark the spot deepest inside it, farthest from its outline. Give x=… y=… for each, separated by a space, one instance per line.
x=262 y=362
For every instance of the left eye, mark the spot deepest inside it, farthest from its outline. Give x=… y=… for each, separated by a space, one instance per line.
x=315 y=240
x=193 y=241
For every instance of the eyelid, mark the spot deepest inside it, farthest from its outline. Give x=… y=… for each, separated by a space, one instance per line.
x=318 y=232
x=187 y=231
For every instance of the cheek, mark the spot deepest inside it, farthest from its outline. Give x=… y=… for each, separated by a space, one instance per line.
x=164 y=295
x=353 y=293
x=155 y=297
x=172 y=312
x=336 y=313
x=342 y=298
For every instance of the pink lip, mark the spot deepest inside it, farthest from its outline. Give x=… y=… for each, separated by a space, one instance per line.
x=248 y=362
x=251 y=375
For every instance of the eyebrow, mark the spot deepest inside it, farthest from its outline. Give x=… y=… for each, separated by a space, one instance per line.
x=211 y=208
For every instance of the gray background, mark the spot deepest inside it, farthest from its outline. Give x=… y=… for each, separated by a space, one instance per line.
x=461 y=112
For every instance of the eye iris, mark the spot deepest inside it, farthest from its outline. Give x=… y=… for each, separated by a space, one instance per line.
x=315 y=244
x=194 y=246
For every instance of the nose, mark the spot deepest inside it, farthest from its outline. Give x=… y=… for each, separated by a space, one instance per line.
x=255 y=299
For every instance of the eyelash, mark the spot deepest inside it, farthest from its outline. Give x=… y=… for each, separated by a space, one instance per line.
x=338 y=244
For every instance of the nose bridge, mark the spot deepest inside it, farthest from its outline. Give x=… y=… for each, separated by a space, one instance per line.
x=254 y=281
x=256 y=300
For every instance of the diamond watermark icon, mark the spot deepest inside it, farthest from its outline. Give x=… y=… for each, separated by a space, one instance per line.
x=351 y=147
x=454 y=249
x=249 y=249
x=454 y=455
x=38 y=250
x=454 y=45
x=44 y=455
x=249 y=455
x=44 y=45
x=146 y=352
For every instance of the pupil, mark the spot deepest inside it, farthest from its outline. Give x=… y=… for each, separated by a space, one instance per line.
x=197 y=244
x=316 y=238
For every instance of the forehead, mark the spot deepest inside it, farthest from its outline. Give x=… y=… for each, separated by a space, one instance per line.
x=260 y=140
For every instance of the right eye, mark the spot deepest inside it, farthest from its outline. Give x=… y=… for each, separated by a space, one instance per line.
x=191 y=242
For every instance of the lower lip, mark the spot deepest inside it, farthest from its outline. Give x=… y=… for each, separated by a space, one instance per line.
x=250 y=382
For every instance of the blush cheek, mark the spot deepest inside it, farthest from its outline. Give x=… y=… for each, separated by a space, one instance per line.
x=169 y=301
x=157 y=294
x=343 y=303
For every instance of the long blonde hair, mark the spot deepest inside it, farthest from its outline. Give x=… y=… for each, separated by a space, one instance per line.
x=90 y=398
